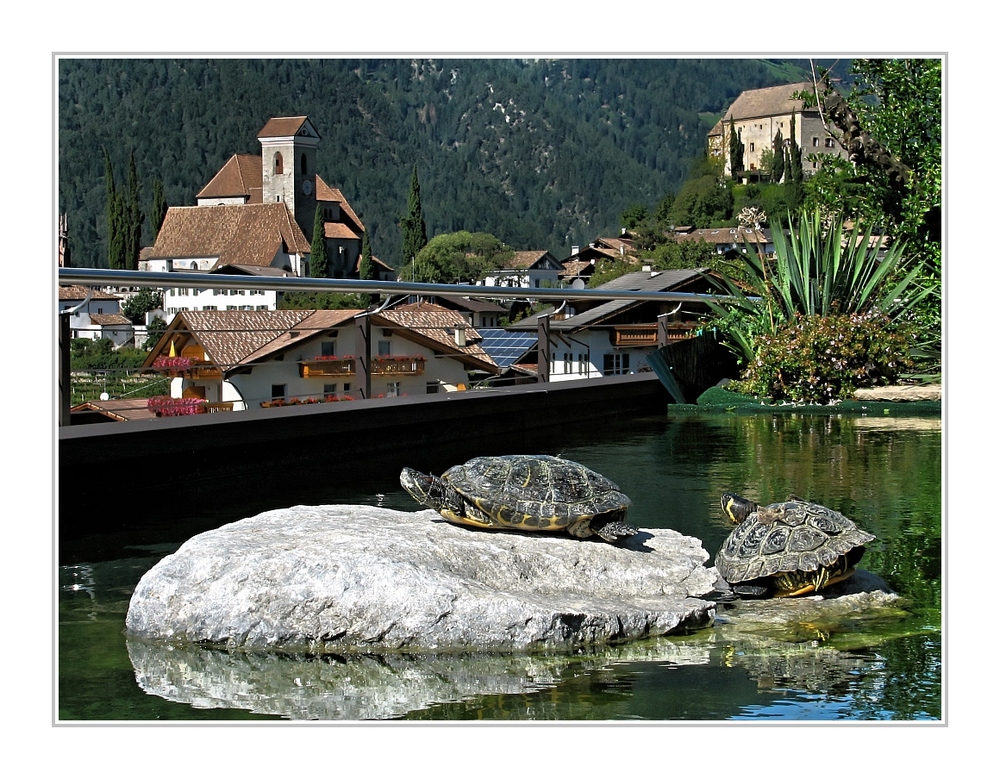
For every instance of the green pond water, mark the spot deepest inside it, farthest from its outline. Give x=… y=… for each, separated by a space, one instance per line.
x=884 y=472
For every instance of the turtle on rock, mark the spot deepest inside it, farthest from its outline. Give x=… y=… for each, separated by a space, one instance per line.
x=788 y=548
x=525 y=492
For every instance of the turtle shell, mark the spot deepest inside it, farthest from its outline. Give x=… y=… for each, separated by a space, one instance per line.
x=535 y=491
x=790 y=537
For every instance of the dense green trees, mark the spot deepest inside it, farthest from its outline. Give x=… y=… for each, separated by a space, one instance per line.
x=544 y=154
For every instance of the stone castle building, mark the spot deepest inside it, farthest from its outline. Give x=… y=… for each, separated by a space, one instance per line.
x=758 y=114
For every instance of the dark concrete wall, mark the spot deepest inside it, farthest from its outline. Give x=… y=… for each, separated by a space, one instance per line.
x=338 y=441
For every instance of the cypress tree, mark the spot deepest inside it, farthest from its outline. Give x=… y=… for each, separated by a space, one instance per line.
x=736 y=150
x=366 y=270
x=159 y=210
x=778 y=159
x=133 y=217
x=116 y=237
x=414 y=229
x=317 y=251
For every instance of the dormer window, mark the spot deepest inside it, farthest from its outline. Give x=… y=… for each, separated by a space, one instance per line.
x=279 y=165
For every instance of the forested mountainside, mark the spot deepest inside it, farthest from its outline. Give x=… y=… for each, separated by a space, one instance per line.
x=543 y=154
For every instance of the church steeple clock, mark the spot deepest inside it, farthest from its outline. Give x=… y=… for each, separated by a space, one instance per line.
x=288 y=158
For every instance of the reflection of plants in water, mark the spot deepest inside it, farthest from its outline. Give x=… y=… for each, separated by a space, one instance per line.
x=916 y=694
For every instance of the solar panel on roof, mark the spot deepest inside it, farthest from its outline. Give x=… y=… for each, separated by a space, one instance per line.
x=504 y=346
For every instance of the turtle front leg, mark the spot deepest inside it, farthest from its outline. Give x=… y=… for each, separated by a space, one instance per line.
x=461 y=512
x=611 y=529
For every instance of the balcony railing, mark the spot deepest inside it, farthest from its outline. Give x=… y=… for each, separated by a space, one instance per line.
x=397 y=366
x=336 y=366
x=645 y=335
x=187 y=367
x=634 y=335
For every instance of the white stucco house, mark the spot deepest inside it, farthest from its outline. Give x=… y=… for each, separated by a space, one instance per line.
x=97 y=316
x=235 y=360
x=583 y=338
x=530 y=270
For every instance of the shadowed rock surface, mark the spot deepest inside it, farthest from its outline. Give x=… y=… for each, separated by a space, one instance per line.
x=358 y=578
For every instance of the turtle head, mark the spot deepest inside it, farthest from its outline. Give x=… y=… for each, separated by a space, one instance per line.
x=737 y=508
x=425 y=489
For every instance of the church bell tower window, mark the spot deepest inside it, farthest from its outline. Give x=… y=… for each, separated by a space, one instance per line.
x=278 y=164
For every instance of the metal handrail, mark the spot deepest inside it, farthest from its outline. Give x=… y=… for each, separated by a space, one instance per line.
x=98 y=277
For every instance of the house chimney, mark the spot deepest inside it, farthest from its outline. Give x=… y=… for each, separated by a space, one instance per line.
x=460 y=335
x=576 y=250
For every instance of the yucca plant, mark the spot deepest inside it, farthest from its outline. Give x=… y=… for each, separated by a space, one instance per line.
x=815 y=271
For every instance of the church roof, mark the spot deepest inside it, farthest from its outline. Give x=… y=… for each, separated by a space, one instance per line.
x=326 y=193
x=283 y=126
x=235 y=235
x=240 y=177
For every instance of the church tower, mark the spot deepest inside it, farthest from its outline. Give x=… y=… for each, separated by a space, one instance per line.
x=288 y=161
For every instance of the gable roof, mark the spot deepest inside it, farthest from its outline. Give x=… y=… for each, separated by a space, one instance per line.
x=250 y=234
x=769 y=101
x=79 y=292
x=434 y=326
x=241 y=176
x=285 y=126
x=326 y=193
x=232 y=338
x=110 y=320
x=529 y=259
x=575 y=268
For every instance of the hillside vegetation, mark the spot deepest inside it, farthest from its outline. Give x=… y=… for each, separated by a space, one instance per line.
x=543 y=154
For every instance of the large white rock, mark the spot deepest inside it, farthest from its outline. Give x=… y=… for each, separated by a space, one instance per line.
x=362 y=578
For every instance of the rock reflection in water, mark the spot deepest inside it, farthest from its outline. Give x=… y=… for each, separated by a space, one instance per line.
x=788 y=644
x=369 y=687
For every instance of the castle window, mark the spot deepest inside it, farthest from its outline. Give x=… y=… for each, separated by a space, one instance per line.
x=279 y=165
x=302 y=165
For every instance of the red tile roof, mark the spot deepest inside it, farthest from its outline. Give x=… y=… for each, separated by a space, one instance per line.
x=524 y=259
x=79 y=292
x=324 y=192
x=108 y=320
x=435 y=326
x=240 y=177
x=282 y=126
x=235 y=235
